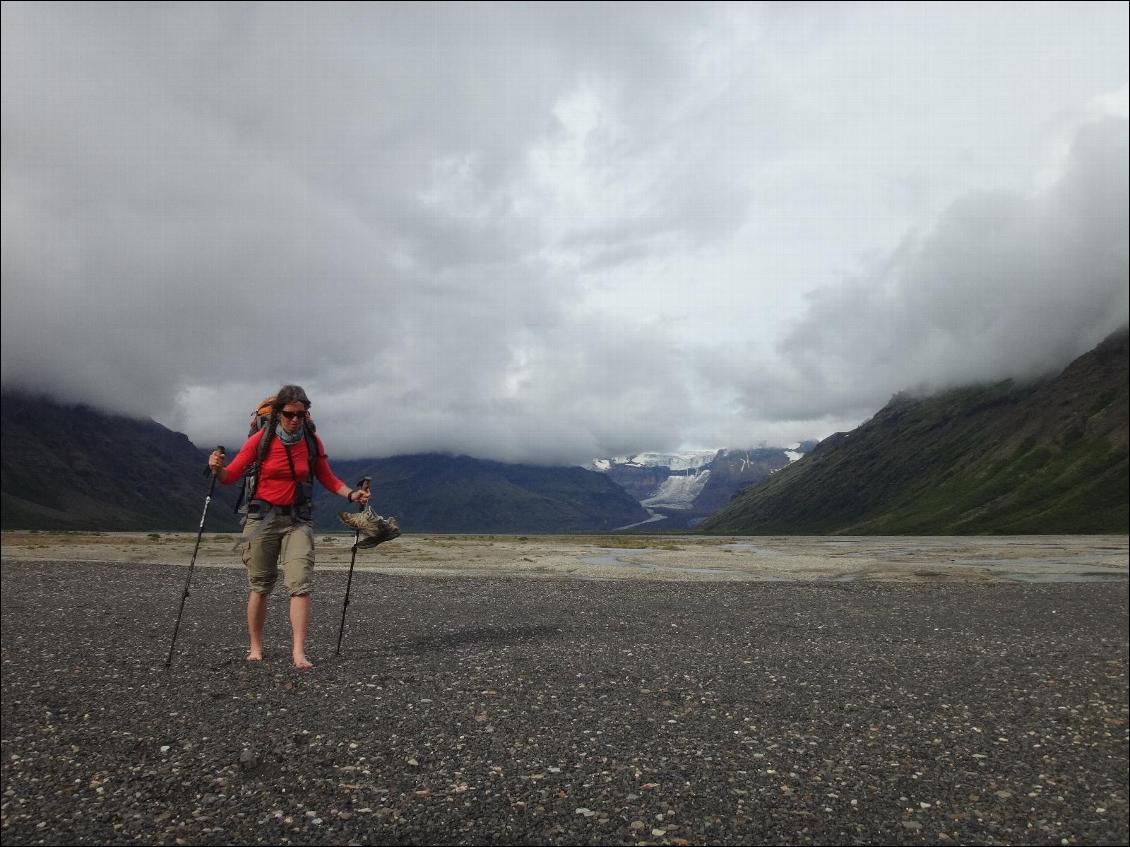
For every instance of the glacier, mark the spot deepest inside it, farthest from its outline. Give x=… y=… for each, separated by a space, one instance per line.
x=674 y=461
x=676 y=487
x=678 y=491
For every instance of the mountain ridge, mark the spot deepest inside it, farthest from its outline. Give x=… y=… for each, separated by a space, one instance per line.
x=1042 y=457
x=681 y=490
x=71 y=467
x=438 y=492
x=1045 y=456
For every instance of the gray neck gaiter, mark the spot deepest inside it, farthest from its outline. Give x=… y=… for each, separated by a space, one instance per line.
x=285 y=437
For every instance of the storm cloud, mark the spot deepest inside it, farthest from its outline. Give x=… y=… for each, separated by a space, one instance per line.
x=552 y=232
x=1004 y=285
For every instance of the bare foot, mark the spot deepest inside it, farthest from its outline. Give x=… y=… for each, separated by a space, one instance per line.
x=301 y=662
x=254 y=655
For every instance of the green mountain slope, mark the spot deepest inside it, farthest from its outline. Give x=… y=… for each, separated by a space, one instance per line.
x=1049 y=457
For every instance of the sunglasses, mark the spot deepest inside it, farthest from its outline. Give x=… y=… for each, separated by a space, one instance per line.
x=291 y=415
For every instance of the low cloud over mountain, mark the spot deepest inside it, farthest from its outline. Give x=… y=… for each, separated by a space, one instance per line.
x=550 y=232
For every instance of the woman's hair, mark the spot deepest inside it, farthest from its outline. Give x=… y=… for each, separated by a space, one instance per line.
x=290 y=394
x=287 y=394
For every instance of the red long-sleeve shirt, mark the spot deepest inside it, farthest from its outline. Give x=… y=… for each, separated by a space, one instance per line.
x=276 y=482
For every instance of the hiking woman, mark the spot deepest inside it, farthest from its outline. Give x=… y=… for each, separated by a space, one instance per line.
x=278 y=526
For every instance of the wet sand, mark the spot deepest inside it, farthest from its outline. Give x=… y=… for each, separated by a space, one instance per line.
x=1050 y=558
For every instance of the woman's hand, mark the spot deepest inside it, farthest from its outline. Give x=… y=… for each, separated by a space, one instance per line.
x=359 y=495
x=216 y=462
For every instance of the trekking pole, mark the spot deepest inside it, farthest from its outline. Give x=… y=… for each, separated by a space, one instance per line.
x=192 y=564
x=364 y=486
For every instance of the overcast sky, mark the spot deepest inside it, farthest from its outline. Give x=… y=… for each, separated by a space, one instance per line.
x=551 y=232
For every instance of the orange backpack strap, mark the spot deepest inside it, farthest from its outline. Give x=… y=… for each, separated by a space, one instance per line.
x=258 y=423
x=260 y=416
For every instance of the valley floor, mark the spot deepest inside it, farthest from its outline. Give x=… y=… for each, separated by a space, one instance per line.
x=504 y=710
x=1031 y=558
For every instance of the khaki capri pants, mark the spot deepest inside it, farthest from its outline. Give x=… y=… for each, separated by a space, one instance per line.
x=274 y=538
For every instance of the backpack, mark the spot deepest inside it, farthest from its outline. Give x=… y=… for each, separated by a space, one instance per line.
x=258 y=423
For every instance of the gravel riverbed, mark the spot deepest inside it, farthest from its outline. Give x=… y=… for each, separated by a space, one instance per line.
x=555 y=711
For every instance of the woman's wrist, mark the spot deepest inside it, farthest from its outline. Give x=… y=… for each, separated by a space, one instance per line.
x=349 y=496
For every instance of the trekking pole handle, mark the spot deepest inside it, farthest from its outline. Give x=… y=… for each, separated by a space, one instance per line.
x=208 y=468
x=364 y=485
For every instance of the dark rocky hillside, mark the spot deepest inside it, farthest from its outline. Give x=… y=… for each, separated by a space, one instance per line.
x=1046 y=457
x=75 y=468
x=439 y=493
x=735 y=470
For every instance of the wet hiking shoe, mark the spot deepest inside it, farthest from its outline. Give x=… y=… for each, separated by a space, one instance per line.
x=380 y=538
x=375 y=528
